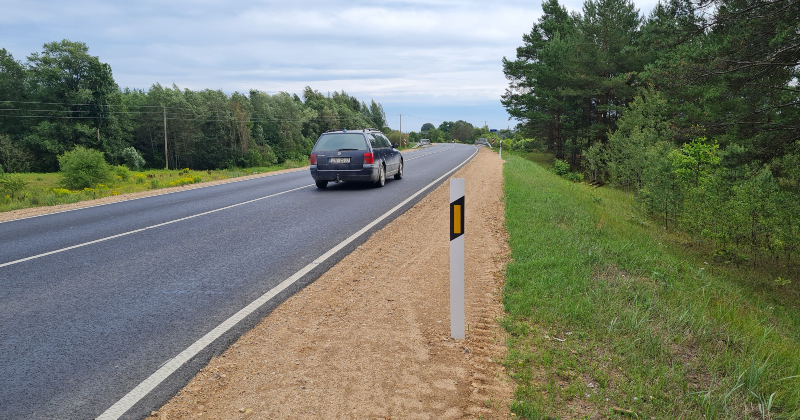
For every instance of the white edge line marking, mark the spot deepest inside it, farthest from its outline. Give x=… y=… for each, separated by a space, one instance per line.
x=192 y=187
x=195 y=187
x=33 y=257
x=136 y=394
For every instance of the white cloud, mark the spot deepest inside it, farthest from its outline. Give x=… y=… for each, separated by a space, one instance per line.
x=426 y=52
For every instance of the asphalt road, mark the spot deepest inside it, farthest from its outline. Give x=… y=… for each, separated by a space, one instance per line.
x=94 y=301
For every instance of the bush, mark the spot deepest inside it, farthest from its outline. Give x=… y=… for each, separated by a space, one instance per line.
x=260 y=156
x=11 y=184
x=528 y=145
x=574 y=176
x=83 y=168
x=122 y=172
x=561 y=167
x=1 y=169
x=132 y=158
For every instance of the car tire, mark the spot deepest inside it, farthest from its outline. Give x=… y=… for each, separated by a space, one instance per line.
x=399 y=174
x=381 y=177
x=322 y=184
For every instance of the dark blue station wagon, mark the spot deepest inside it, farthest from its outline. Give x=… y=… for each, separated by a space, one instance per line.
x=355 y=155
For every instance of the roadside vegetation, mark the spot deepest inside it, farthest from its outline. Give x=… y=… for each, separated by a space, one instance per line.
x=693 y=108
x=612 y=315
x=18 y=191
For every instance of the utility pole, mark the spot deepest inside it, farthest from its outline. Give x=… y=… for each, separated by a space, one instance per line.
x=486 y=123
x=401 y=129
x=166 y=156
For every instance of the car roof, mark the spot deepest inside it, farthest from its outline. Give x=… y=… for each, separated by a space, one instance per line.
x=360 y=130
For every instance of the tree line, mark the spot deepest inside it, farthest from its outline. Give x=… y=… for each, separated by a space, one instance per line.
x=695 y=108
x=63 y=97
x=460 y=131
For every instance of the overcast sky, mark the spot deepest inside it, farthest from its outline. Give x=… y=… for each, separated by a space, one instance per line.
x=432 y=61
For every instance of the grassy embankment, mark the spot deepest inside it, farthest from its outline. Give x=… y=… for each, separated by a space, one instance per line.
x=45 y=189
x=612 y=317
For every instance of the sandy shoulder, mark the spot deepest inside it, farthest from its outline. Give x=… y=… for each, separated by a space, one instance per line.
x=38 y=211
x=370 y=343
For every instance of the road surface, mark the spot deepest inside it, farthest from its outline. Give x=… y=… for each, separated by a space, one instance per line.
x=94 y=301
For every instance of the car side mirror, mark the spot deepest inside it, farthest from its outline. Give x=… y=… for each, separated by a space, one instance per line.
x=395 y=145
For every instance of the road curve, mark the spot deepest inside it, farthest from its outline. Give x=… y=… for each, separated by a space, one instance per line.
x=94 y=301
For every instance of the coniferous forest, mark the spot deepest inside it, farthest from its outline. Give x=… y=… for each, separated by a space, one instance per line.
x=695 y=108
x=63 y=97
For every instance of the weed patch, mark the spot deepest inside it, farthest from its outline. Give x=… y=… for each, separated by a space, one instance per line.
x=18 y=191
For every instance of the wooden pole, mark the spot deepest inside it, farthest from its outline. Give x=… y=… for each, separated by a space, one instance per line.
x=166 y=155
x=401 y=130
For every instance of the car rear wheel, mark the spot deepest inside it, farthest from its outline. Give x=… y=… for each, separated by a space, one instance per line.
x=399 y=174
x=321 y=184
x=381 y=177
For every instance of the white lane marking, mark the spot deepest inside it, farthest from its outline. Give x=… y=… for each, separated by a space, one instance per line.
x=197 y=187
x=431 y=153
x=193 y=187
x=108 y=238
x=136 y=395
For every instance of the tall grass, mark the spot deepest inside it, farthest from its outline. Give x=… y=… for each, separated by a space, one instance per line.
x=609 y=316
x=45 y=189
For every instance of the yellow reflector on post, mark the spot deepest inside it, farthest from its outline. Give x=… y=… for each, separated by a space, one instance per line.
x=457 y=219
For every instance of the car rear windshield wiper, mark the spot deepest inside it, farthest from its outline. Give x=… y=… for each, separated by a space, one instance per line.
x=346 y=149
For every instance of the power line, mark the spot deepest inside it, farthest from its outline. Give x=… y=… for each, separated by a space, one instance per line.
x=179 y=113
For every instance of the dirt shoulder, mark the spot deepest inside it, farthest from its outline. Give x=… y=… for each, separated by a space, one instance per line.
x=38 y=211
x=370 y=338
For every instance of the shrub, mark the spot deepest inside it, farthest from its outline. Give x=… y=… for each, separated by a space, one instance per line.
x=574 y=176
x=1 y=169
x=561 y=167
x=132 y=158
x=11 y=184
x=528 y=145
x=83 y=168
x=122 y=172
x=263 y=156
x=139 y=178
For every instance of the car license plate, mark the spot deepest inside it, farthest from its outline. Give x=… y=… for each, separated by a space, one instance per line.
x=340 y=160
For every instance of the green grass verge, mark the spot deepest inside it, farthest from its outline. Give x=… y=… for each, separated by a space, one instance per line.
x=45 y=189
x=610 y=317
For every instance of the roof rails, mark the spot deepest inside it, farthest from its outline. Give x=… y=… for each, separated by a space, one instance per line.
x=360 y=129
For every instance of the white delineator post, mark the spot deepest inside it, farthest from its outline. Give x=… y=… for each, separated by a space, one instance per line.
x=457 y=258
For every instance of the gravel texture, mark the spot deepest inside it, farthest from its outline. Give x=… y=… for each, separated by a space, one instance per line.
x=370 y=338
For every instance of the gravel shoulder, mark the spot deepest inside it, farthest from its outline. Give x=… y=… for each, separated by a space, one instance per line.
x=39 y=211
x=363 y=341
x=370 y=338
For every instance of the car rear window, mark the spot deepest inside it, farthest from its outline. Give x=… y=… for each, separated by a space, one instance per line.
x=340 y=141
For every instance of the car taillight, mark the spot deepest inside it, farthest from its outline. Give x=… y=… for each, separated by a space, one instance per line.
x=313 y=159
x=369 y=158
